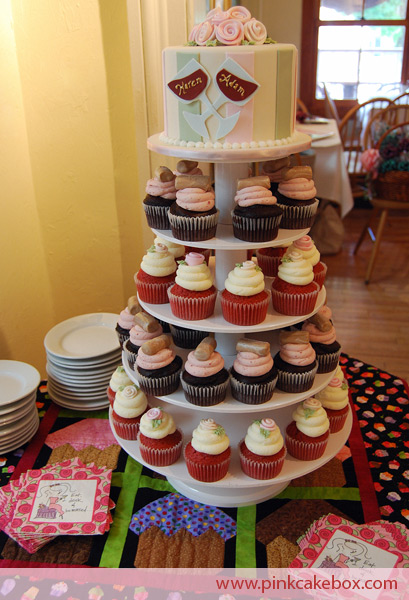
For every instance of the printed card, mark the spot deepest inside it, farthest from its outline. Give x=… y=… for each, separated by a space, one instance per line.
x=64 y=501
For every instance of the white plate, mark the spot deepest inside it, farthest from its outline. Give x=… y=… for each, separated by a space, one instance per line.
x=16 y=406
x=17 y=380
x=79 y=384
x=94 y=376
x=85 y=365
x=8 y=434
x=78 y=398
x=20 y=441
x=77 y=392
x=85 y=406
x=20 y=411
x=84 y=336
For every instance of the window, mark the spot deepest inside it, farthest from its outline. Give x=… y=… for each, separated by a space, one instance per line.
x=358 y=48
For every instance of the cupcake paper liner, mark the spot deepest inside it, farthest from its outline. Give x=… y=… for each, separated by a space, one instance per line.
x=261 y=229
x=296 y=382
x=153 y=293
x=122 y=337
x=261 y=470
x=320 y=277
x=328 y=362
x=305 y=450
x=130 y=355
x=157 y=216
x=111 y=396
x=207 y=472
x=126 y=431
x=205 y=396
x=298 y=217
x=252 y=393
x=194 y=229
x=294 y=304
x=244 y=314
x=336 y=422
x=158 y=386
x=187 y=338
x=268 y=264
x=194 y=308
x=160 y=457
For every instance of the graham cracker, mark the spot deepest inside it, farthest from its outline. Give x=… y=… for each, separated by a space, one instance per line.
x=69 y=550
x=281 y=553
x=181 y=550
x=102 y=458
x=329 y=475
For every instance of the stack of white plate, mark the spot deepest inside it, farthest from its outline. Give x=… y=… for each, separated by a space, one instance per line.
x=18 y=411
x=82 y=354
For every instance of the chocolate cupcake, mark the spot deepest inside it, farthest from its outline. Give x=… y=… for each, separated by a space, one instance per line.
x=275 y=169
x=204 y=379
x=126 y=320
x=161 y=194
x=187 y=338
x=256 y=217
x=157 y=367
x=193 y=217
x=253 y=375
x=295 y=362
x=146 y=328
x=296 y=197
x=323 y=340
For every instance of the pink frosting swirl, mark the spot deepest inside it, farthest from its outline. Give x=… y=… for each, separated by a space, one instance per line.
x=230 y=32
x=193 y=259
x=138 y=336
x=241 y=13
x=205 y=33
x=220 y=16
x=195 y=199
x=336 y=382
x=125 y=319
x=204 y=368
x=255 y=194
x=255 y=31
x=299 y=355
x=192 y=34
x=208 y=424
x=305 y=243
x=317 y=336
x=155 y=361
x=153 y=414
x=268 y=424
x=298 y=188
x=251 y=364
x=166 y=189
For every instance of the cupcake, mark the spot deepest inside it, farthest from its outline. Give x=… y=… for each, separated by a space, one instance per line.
x=129 y=405
x=309 y=251
x=160 y=195
x=253 y=375
x=306 y=437
x=59 y=589
x=160 y=443
x=193 y=217
x=157 y=273
x=294 y=291
x=256 y=217
x=146 y=328
x=274 y=170
x=193 y=296
x=188 y=167
x=157 y=367
x=295 y=362
x=323 y=340
x=334 y=398
x=207 y=456
x=262 y=452
x=245 y=301
x=118 y=379
x=177 y=250
x=187 y=338
x=126 y=319
x=269 y=259
x=296 y=197
x=205 y=251
x=204 y=378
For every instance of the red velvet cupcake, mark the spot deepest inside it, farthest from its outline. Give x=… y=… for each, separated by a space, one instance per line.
x=309 y=251
x=262 y=452
x=156 y=275
x=193 y=296
x=269 y=259
x=119 y=378
x=207 y=456
x=335 y=399
x=160 y=443
x=293 y=290
x=307 y=435
x=245 y=301
x=129 y=405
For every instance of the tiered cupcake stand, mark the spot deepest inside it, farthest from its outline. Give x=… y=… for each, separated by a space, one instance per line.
x=236 y=489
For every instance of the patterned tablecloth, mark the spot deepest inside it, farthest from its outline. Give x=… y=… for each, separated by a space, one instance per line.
x=154 y=526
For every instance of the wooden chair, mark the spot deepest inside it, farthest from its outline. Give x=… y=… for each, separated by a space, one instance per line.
x=388 y=117
x=302 y=106
x=330 y=108
x=351 y=129
x=398 y=199
x=402 y=99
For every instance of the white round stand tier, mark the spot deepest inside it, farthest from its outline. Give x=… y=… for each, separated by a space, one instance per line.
x=236 y=488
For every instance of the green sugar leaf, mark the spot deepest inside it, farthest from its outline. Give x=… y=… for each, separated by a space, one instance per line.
x=308 y=412
x=152 y=249
x=269 y=40
x=156 y=423
x=219 y=430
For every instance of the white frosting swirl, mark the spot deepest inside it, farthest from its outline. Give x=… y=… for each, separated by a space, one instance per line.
x=157 y=424
x=118 y=378
x=210 y=438
x=245 y=280
x=177 y=250
x=295 y=269
x=311 y=419
x=130 y=402
x=264 y=438
x=197 y=278
x=158 y=262
x=335 y=395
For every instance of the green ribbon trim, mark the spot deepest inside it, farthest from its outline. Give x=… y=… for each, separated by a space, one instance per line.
x=161 y=485
x=246 y=537
x=111 y=556
x=320 y=493
x=75 y=414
